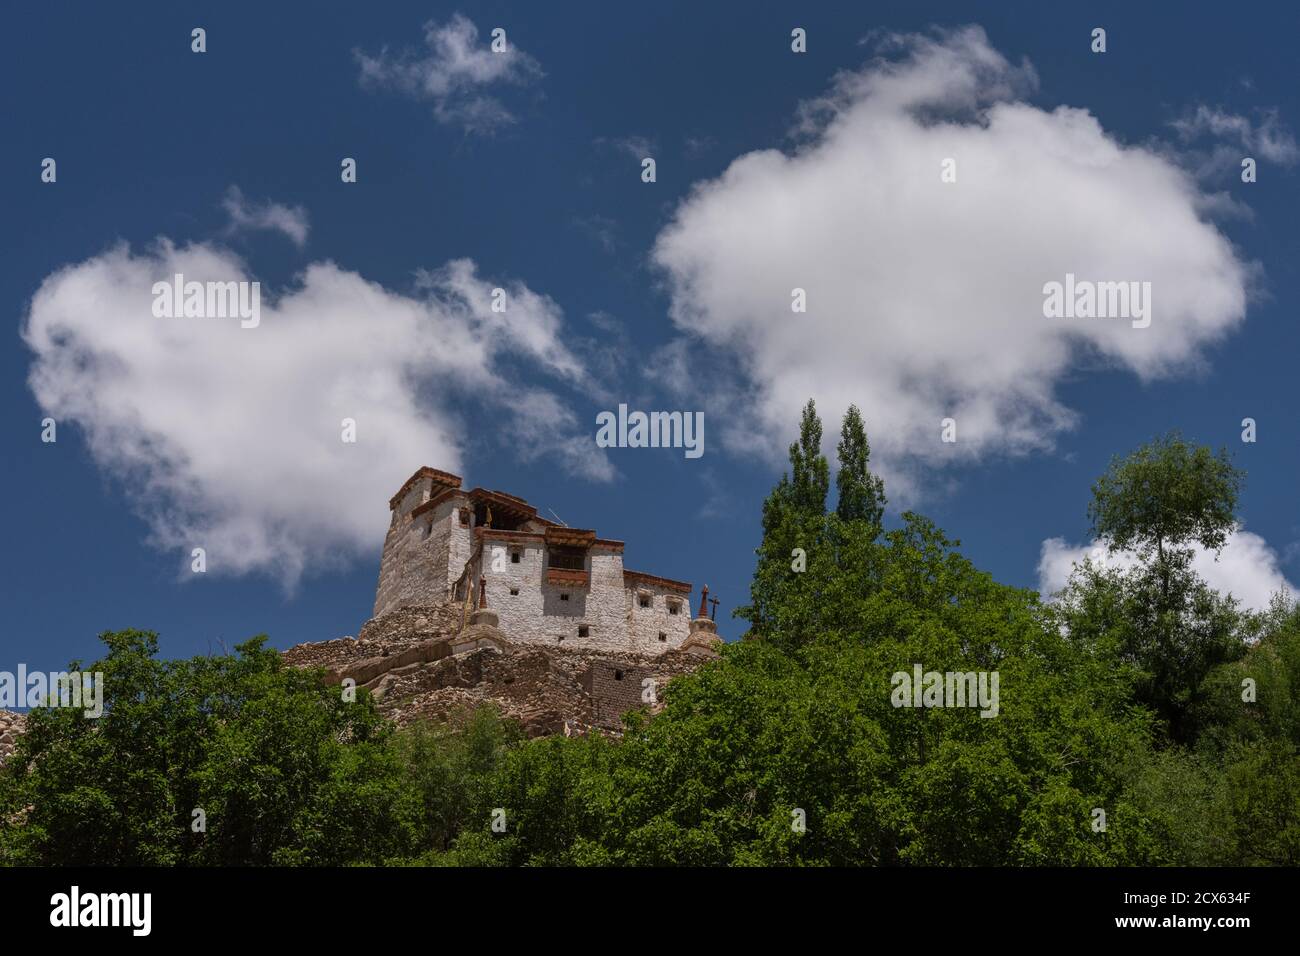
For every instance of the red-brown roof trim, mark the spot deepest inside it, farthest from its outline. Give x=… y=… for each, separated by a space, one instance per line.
x=571 y=537
x=435 y=501
x=669 y=583
x=509 y=535
x=503 y=502
x=442 y=477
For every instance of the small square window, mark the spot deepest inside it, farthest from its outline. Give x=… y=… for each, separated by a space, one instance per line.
x=645 y=600
x=514 y=592
x=674 y=608
x=583 y=630
x=514 y=557
x=618 y=675
x=564 y=597
x=663 y=636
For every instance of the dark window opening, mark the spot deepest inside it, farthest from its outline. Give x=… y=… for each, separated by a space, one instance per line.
x=514 y=592
x=514 y=557
x=564 y=597
x=663 y=636
x=673 y=608
x=645 y=600
x=618 y=675
x=464 y=516
x=583 y=630
x=567 y=559
x=501 y=521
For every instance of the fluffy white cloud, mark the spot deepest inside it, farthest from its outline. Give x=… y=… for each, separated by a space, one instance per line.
x=229 y=438
x=272 y=216
x=925 y=298
x=454 y=74
x=1247 y=567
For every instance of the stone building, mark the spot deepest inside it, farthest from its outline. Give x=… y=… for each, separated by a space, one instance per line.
x=547 y=583
x=483 y=601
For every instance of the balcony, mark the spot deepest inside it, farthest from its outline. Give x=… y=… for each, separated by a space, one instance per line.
x=568 y=577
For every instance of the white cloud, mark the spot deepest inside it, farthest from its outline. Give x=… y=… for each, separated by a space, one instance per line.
x=925 y=298
x=636 y=146
x=454 y=74
x=1247 y=567
x=273 y=216
x=228 y=438
x=1267 y=137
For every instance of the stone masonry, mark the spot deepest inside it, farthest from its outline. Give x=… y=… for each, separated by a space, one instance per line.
x=549 y=584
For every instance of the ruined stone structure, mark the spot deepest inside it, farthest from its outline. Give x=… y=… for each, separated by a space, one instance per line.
x=482 y=600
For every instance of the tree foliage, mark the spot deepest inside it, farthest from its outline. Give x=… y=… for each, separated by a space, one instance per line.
x=861 y=495
x=1166 y=493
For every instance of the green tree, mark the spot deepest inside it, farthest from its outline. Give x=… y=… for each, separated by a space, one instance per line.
x=282 y=768
x=1160 y=617
x=793 y=518
x=776 y=731
x=548 y=798
x=861 y=494
x=449 y=766
x=1248 y=723
x=1167 y=493
x=810 y=473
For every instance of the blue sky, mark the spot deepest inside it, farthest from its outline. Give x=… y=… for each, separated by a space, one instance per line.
x=531 y=171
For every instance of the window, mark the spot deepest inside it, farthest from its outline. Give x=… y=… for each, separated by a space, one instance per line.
x=568 y=559
x=514 y=555
x=663 y=636
x=618 y=675
x=645 y=600
x=564 y=597
x=464 y=517
x=514 y=592
x=673 y=607
x=583 y=630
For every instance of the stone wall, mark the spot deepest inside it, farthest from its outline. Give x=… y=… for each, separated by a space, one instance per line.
x=335 y=653
x=415 y=565
x=617 y=687
x=534 y=611
x=646 y=624
x=548 y=691
x=415 y=623
x=380 y=637
x=417 y=666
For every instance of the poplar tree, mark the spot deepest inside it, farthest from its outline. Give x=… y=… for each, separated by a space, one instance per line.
x=794 y=516
x=861 y=494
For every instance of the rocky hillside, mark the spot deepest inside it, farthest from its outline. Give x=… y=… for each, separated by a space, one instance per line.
x=415 y=672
